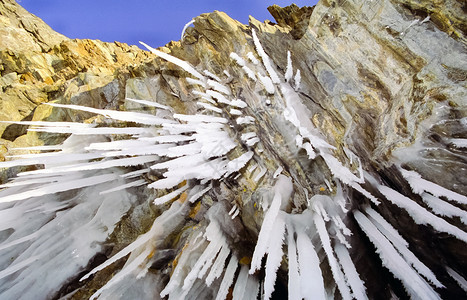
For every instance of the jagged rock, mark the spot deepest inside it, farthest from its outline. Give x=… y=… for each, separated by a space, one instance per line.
x=295 y=17
x=343 y=122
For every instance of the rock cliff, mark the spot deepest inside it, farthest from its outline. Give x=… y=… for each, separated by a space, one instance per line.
x=321 y=156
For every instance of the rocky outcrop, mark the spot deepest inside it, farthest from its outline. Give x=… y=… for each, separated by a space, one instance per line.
x=339 y=132
x=39 y=65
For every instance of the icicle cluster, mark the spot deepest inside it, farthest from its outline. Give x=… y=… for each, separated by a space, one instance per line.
x=189 y=153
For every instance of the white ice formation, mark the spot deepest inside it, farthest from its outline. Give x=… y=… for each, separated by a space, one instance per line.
x=55 y=219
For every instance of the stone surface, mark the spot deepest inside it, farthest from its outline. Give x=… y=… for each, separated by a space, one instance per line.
x=378 y=78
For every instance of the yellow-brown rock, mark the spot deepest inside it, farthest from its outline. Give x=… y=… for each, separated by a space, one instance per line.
x=381 y=104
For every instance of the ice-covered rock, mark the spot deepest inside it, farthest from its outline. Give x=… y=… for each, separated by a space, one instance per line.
x=320 y=157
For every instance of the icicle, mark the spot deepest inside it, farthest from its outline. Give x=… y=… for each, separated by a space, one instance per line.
x=193 y=81
x=289 y=71
x=185 y=27
x=240 y=61
x=117 y=145
x=199 y=118
x=364 y=192
x=245 y=120
x=170 y=196
x=252 y=289
x=93 y=131
x=458 y=278
x=267 y=83
x=385 y=227
x=297 y=80
x=265 y=233
x=240 y=284
x=127 y=116
x=252 y=58
x=443 y=208
x=218 y=96
x=277 y=172
x=209 y=107
x=413 y=283
x=420 y=215
x=238 y=163
x=340 y=224
x=234 y=207
x=249 y=73
x=168 y=138
x=198 y=195
x=219 y=87
x=127 y=270
x=418 y=185
x=16 y=267
x=294 y=276
x=318 y=205
x=311 y=277
x=309 y=150
x=425 y=20
x=141 y=240
x=98 y=165
x=205 y=261
x=282 y=192
x=165 y=183
x=52 y=158
x=181 y=63
x=228 y=278
x=124 y=186
x=275 y=254
x=203 y=96
x=235 y=112
x=338 y=170
x=135 y=173
x=238 y=103
x=151 y=103
x=356 y=284
x=326 y=242
x=402 y=246
x=56 y=188
x=218 y=266
x=213 y=76
x=265 y=58
x=342 y=239
x=260 y=174
x=253 y=141
x=237 y=211
x=178 y=275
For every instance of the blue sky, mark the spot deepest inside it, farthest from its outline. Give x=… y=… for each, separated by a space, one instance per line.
x=155 y=22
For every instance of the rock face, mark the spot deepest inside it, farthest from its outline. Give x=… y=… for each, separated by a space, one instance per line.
x=332 y=144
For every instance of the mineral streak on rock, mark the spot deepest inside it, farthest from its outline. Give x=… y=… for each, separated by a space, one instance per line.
x=319 y=157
